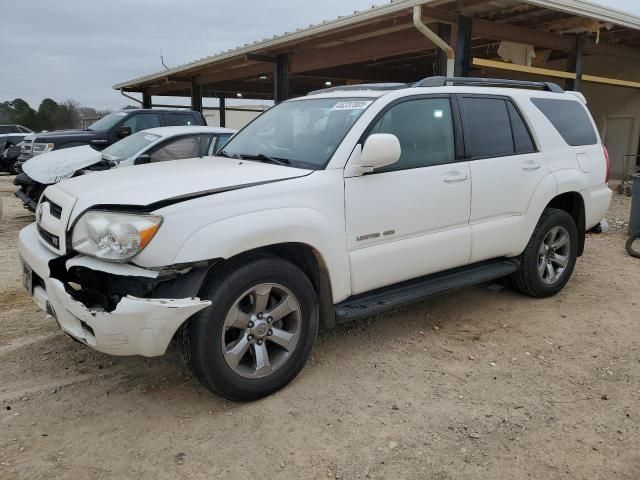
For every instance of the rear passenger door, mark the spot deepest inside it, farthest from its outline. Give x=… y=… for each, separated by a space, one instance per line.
x=506 y=169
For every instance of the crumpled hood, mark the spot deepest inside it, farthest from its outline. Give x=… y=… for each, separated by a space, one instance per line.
x=145 y=185
x=58 y=165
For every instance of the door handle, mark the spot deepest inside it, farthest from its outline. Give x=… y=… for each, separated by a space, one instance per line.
x=456 y=177
x=531 y=165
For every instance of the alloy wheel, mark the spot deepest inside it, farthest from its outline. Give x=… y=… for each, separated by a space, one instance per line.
x=554 y=255
x=261 y=330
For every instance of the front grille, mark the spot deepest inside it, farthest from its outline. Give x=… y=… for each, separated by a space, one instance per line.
x=54 y=208
x=50 y=238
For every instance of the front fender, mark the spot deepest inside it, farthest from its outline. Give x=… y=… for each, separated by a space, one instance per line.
x=231 y=236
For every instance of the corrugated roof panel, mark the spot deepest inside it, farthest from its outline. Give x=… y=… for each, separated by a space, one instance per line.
x=575 y=7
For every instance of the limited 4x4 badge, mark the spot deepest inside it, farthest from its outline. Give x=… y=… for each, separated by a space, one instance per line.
x=370 y=236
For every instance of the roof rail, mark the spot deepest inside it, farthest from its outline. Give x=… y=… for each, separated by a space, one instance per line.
x=487 y=82
x=363 y=86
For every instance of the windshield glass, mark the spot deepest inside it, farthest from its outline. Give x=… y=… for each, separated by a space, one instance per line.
x=105 y=123
x=303 y=133
x=129 y=146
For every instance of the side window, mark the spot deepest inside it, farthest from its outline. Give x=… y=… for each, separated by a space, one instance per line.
x=185 y=147
x=425 y=130
x=177 y=119
x=487 y=127
x=521 y=137
x=142 y=121
x=570 y=119
x=5 y=130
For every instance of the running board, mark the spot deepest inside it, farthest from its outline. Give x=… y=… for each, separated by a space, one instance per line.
x=405 y=293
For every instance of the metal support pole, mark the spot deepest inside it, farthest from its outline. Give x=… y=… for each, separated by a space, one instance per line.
x=576 y=64
x=223 y=110
x=196 y=96
x=146 y=100
x=281 y=78
x=444 y=32
x=463 y=47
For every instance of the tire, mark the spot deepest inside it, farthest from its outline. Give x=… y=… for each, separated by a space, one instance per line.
x=629 y=246
x=243 y=286
x=13 y=167
x=534 y=277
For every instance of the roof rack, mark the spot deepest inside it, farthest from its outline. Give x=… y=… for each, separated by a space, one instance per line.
x=364 y=86
x=487 y=82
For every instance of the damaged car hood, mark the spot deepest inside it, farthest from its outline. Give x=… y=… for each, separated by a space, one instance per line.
x=155 y=185
x=55 y=166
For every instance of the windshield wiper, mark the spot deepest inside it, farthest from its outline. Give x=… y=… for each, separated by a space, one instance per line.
x=267 y=159
x=224 y=153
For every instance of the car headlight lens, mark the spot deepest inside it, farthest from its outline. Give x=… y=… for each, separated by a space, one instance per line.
x=42 y=147
x=113 y=236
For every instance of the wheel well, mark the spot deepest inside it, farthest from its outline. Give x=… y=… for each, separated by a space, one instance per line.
x=573 y=204
x=313 y=265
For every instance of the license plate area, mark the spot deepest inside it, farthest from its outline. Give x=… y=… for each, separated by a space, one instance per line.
x=27 y=278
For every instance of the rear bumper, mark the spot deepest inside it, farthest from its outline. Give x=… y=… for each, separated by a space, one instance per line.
x=137 y=326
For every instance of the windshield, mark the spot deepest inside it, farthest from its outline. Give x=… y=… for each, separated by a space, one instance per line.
x=129 y=146
x=302 y=133
x=105 y=123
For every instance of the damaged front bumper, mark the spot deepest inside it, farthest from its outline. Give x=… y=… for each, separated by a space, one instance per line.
x=114 y=323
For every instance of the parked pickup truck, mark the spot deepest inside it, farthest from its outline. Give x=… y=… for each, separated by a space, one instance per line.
x=107 y=130
x=325 y=209
x=148 y=146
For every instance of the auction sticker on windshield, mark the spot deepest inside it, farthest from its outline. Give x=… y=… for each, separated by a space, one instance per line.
x=150 y=137
x=352 y=105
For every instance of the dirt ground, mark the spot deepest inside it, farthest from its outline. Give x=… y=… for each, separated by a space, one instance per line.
x=483 y=383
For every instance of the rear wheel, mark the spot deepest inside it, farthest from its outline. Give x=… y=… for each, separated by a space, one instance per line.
x=547 y=263
x=257 y=334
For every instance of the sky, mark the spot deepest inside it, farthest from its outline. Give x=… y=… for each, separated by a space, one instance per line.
x=78 y=49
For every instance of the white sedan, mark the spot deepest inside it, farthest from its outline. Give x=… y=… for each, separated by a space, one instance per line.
x=149 y=146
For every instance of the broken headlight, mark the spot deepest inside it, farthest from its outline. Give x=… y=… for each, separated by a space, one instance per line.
x=113 y=236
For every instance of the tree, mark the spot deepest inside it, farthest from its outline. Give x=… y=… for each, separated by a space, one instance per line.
x=22 y=113
x=68 y=115
x=46 y=115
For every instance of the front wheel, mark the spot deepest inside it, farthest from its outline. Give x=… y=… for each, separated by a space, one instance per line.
x=14 y=167
x=259 y=331
x=547 y=263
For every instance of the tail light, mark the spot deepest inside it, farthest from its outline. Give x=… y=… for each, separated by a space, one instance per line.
x=608 y=163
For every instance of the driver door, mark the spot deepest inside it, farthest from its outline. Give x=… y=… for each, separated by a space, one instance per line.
x=411 y=218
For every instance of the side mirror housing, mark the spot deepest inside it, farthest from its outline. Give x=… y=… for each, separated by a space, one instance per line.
x=142 y=159
x=380 y=150
x=123 y=132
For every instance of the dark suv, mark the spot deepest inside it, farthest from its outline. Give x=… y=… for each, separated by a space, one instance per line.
x=108 y=130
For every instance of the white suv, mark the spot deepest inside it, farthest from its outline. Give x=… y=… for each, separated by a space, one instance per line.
x=324 y=209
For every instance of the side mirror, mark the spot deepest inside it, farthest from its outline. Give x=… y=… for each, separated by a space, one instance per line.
x=142 y=159
x=380 y=150
x=123 y=132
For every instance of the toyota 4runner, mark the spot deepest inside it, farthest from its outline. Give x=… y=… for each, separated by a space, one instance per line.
x=327 y=208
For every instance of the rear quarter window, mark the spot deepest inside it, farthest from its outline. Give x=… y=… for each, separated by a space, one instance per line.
x=570 y=119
